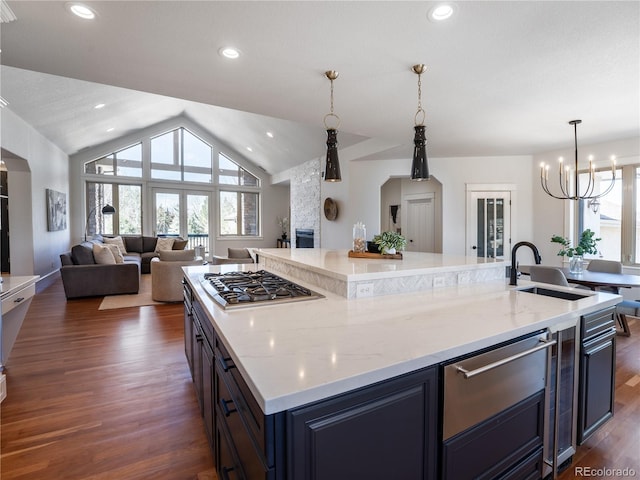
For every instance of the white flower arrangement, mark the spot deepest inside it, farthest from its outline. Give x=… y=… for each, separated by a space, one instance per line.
x=284 y=224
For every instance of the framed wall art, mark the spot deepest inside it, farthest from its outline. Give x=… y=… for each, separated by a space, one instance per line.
x=56 y=210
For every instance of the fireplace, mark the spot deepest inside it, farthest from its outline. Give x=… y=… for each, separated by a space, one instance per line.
x=304 y=238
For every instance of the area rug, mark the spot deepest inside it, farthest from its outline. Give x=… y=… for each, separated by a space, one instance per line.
x=142 y=298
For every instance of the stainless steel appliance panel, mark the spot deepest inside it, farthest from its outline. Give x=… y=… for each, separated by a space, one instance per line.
x=481 y=386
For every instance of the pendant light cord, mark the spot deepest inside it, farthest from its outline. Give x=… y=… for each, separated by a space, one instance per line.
x=331 y=75
x=419 y=69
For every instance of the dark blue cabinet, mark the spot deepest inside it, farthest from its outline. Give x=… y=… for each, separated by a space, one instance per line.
x=379 y=432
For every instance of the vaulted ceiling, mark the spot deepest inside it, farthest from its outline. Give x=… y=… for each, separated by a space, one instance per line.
x=502 y=78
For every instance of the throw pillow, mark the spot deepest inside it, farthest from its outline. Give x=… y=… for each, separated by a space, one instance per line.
x=133 y=243
x=82 y=254
x=149 y=244
x=164 y=244
x=176 y=255
x=238 y=253
x=103 y=255
x=115 y=250
x=116 y=241
x=179 y=244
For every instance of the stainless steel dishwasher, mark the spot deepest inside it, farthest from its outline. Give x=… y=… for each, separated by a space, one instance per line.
x=494 y=411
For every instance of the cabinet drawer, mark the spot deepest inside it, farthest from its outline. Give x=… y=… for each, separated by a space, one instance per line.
x=597 y=322
x=228 y=465
x=248 y=408
x=17 y=298
x=529 y=469
x=497 y=445
x=203 y=320
x=243 y=444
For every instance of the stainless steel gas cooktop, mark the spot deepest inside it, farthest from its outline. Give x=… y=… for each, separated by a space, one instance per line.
x=249 y=289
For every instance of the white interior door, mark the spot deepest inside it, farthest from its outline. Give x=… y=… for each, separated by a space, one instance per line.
x=420 y=224
x=489 y=224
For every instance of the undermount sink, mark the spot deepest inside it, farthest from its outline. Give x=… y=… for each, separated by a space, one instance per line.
x=547 y=292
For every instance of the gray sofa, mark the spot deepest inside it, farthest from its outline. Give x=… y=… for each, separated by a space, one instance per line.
x=83 y=277
x=144 y=247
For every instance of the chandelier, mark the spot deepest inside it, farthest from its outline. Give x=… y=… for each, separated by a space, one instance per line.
x=568 y=177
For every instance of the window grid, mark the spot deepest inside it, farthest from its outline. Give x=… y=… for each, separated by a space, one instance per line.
x=179 y=156
x=126 y=162
x=617 y=219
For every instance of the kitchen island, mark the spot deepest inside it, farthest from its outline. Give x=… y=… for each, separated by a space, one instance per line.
x=286 y=357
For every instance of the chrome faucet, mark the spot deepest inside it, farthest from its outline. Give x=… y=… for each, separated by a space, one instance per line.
x=514 y=266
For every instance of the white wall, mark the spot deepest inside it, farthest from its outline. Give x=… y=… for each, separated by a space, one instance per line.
x=34 y=164
x=453 y=173
x=391 y=194
x=359 y=195
x=338 y=233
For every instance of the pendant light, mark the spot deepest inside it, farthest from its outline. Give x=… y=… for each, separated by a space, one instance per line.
x=332 y=168
x=568 y=178
x=419 y=166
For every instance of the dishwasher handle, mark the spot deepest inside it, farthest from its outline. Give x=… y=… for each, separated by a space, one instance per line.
x=472 y=373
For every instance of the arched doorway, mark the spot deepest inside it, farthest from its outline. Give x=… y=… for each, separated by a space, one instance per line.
x=415 y=210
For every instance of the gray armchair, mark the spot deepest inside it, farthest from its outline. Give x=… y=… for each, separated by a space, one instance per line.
x=551 y=275
x=234 y=255
x=167 y=274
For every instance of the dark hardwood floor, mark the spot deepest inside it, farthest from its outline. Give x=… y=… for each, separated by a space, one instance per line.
x=617 y=444
x=101 y=395
x=108 y=395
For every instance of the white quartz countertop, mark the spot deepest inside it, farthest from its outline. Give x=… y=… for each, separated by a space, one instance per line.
x=338 y=264
x=13 y=283
x=296 y=353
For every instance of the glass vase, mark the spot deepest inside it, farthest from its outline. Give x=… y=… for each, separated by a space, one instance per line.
x=576 y=264
x=359 y=238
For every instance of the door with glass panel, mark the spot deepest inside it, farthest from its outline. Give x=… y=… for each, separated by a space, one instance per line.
x=489 y=224
x=183 y=213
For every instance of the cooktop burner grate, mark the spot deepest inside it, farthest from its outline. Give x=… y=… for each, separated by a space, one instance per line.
x=246 y=289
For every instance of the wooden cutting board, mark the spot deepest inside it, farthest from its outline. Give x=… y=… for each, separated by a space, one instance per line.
x=379 y=256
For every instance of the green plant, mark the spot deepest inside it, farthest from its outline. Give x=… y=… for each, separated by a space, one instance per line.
x=587 y=244
x=389 y=240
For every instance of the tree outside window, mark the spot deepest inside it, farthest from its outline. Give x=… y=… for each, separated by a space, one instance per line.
x=238 y=213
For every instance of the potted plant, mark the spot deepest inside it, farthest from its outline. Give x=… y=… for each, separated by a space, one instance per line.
x=390 y=242
x=586 y=244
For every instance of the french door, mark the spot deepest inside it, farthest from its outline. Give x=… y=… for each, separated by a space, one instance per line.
x=183 y=213
x=489 y=224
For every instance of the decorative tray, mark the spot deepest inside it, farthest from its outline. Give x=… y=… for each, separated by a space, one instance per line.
x=379 y=256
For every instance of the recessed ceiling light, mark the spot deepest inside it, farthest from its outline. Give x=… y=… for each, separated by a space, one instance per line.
x=99 y=106
x=81 y=10
x=270 y=134
x=110 y=129
x=229 y=52
x=250 y=149
x=441 y=12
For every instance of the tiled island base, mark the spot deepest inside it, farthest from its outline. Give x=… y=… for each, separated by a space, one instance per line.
x=334 y=271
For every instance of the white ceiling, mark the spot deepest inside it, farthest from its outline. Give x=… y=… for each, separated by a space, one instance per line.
x=503 y=77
